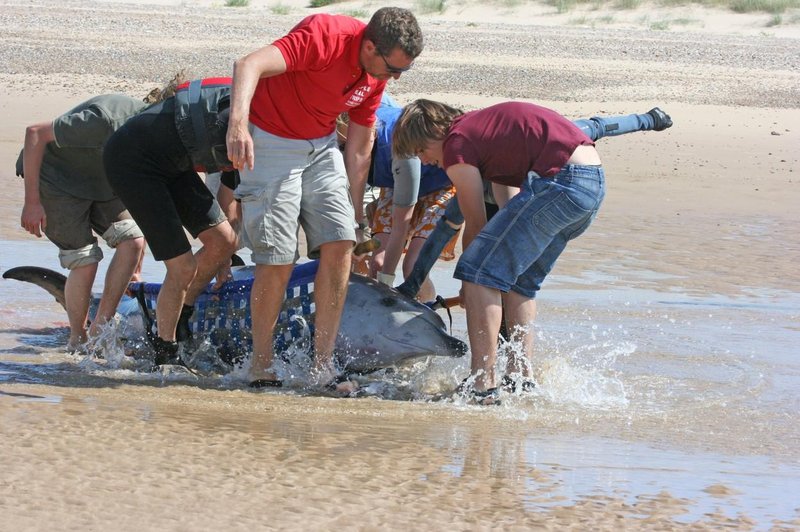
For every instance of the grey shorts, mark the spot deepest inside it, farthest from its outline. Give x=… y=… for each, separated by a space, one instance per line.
x=71 y=220
x=294 y=183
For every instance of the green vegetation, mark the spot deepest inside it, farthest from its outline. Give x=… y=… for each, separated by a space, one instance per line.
x=357 y=13
x=739 y=6
x=773 y=7
x=562 y=6
x=322 y=3
x=664 y=24
x=768 y=6
x=237 y=3
x=430 y=6
x=592 y=22
x=280 y=9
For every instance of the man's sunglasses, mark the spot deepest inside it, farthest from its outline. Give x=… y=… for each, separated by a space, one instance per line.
x=393 y=69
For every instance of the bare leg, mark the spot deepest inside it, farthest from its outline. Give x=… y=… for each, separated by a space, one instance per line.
x=180 y=273
x=520 y=313
x=78 y=295
x=219 y=243
x=231 y=207
x=330 y=291
x=484 y=314
x=126 y=258
x=266 y=299
x=136 y=277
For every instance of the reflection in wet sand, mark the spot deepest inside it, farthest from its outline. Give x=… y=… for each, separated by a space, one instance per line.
x=176 y=456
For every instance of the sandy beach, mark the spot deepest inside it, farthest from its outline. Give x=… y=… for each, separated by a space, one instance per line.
x=669 y=332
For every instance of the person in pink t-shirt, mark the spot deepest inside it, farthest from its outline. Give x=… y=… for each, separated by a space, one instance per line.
x=548 y=181
x=282 y=138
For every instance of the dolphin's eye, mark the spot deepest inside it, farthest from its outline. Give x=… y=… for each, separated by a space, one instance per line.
x=389 y=301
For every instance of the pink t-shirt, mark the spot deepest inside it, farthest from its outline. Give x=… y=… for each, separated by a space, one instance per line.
x=323 y=79
x=508 y=140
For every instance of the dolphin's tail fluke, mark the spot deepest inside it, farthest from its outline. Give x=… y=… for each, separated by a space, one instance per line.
x=51 y=281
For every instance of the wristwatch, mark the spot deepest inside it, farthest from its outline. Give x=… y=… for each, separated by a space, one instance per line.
x=362 y=226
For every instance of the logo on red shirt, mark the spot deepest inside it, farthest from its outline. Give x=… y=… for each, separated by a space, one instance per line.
x=358 y=96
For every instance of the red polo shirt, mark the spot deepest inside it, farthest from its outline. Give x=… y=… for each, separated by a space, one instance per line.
x=323 y=78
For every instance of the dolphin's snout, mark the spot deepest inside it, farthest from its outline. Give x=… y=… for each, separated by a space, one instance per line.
x=457 y=347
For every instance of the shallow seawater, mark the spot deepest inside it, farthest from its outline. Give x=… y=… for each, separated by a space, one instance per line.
x=655 y=407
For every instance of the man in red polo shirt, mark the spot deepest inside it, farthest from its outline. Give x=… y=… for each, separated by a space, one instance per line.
x=282 y=138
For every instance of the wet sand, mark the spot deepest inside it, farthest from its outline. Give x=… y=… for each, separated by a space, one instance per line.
x=667 y=335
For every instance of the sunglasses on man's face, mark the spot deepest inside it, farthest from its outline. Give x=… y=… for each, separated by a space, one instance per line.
x=393 y=69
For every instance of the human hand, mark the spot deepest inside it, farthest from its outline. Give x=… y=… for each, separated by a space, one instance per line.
x=33 y=219
x=362 y=248
x=239 y=143
x=363 y=233
x=223 y=276
x=360 y=258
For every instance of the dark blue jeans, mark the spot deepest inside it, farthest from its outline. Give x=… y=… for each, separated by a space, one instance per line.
x=435 y=243
x=598 y=127
x=517 y=248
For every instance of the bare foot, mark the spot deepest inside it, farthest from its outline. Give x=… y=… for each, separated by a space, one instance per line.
x=76 y=344
x=347 y=387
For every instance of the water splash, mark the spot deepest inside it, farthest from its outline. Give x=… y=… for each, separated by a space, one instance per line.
x=564 y=383
x=575 y=370
x=571 y=370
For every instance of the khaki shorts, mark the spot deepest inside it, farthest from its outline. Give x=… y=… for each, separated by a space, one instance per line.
x=294 y=183
x=72 y=223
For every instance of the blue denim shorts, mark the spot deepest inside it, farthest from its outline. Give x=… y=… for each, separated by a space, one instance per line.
x=518 y=247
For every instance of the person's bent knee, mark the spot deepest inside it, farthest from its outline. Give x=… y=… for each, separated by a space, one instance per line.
x=134 y=244
x=76 y=258
x=229 y=240
x=120 y=231
x=220 y=239
x=182 y=268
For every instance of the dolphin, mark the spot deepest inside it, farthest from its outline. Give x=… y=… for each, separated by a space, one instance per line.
x=52 y=282
x=380 y=327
